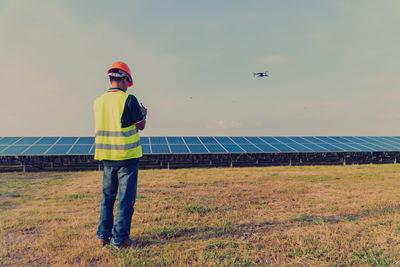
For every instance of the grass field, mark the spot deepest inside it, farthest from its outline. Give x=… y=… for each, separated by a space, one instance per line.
x=317 y=215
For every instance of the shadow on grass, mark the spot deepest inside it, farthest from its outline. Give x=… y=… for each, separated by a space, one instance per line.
x=375 y=211
x=227 y=228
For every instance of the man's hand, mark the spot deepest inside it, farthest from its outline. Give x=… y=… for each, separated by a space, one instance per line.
x=141 y=124
x=144 y=110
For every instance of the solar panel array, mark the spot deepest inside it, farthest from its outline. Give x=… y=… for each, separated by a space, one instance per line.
x=204 y=144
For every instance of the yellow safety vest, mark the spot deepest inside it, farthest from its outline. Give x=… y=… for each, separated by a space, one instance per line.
x=112 y=141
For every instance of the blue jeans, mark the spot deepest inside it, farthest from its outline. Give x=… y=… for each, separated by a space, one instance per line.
x=126 y=179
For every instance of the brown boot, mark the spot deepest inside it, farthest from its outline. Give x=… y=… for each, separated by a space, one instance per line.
x=104 y=241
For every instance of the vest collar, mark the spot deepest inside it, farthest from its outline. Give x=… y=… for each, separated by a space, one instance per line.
x=115 y=90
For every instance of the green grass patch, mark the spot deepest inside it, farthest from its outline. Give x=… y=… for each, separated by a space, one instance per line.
x=373 y=256
x=196 y=208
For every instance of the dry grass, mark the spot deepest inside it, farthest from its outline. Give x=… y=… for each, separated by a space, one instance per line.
x=333 y=215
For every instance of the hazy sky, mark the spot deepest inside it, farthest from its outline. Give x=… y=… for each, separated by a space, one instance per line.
x=334 y=65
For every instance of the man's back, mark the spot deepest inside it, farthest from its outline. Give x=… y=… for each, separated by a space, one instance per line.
x=114 y=142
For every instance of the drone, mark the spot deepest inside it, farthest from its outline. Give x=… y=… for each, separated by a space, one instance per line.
x=261 y=74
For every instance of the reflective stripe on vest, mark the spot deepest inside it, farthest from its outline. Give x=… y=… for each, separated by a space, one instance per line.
x=117 y=133
x=117 y=147
x=112 y=141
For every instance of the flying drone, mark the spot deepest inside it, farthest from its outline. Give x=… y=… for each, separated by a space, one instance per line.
x=261 y=74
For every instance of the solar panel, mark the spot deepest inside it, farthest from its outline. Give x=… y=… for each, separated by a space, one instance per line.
x=36 y=150
x=269 y=139
x=284 y=148
x=352 y=139
x=204 y=144
x=144 y=140
x=9 y=140
x=47 y=140
x=191 y=140
x=145 y=149
x=80 y=150
x=232 y=148
x=175 y=140
x=239 y=140
x=362 y=141
x=299 y=140
x=250 y=148
x=92 y=150
x=395 y=145
x=67 y=140
x=375 y=147
x=160 y=149
x=214 y=148
x=2 y=147
x=311 y=139
x=384 y=139
x=283 y=139
x=159 y=140
x=267 y=148
x=27 y=140
x=326 y=139
x=389 y=146
x=58 y=150
x=360 y=147
x=85 y=141
x=331 y=147
x=367 y=139
x=197 y=148
x=340 y=139
x=319 y=147
x=255 y=140
x=208 y=140
x=380 y=139
x=347 y=147
x=300 y=148
x=14 y=150
x=390 y=138
x=178 y=148
x=224 y=140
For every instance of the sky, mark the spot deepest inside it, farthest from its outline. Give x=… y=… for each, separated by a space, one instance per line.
x=334 y=65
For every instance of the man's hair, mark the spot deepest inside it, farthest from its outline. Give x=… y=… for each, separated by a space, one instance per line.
x=113 y=78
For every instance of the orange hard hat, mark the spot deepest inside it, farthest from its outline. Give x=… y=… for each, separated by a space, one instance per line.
x=122 y=66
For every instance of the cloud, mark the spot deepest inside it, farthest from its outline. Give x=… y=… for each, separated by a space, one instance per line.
x=219 y=124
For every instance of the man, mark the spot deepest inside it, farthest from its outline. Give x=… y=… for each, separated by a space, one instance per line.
x=118 y=118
